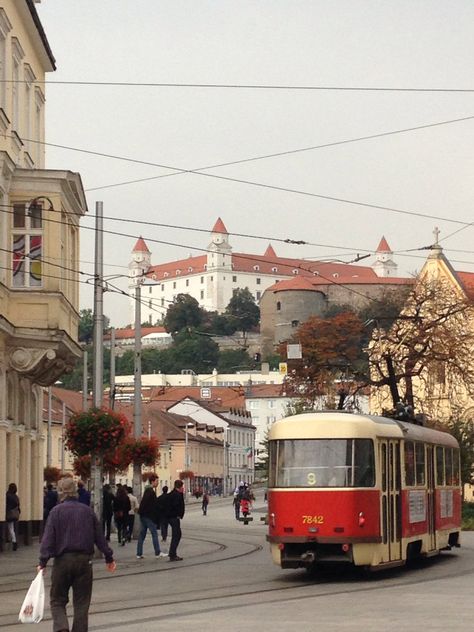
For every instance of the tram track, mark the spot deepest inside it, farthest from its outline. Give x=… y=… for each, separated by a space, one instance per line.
x=310 y=587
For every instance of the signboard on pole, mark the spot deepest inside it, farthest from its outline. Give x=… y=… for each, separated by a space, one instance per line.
x=293 y=352
x=283 y=368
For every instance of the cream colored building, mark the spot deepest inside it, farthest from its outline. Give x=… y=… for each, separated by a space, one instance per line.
x=40 y=211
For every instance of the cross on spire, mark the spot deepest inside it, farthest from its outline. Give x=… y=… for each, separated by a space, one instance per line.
x=436 y=233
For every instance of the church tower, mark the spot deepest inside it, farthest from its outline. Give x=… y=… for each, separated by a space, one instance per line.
x=384 y=265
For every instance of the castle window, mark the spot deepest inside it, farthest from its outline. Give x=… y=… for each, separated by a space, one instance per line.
x=202 y=294
x=178 y=272
x=150 y=289
x=335 y=275
x=27 y=245
x=187 y=282
x=274 y=269
x=153 y=276
x=256 y=268
x=190 y=269
x=174 y=285
x=162 y=287
x=258 y=295
x=278 y=306
x=295 y=323
x=202 y=279
x=295 y=271
x=259 y=281
x=234 y=279
x=316 y=273
x=166 y=274
x=162 y=302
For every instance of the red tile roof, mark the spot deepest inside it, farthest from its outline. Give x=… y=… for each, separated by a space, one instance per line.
x=317 y=283
x=219 y=227
x=123 y=334
x=383 y=246
x=140 y=246
x=269 y=252
x=467 y=282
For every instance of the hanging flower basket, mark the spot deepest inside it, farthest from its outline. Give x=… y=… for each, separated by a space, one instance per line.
x=97 y=430
x=146 y=476
x=143 y=451
x=82 y=467
x=51 y=474
x=186 y=474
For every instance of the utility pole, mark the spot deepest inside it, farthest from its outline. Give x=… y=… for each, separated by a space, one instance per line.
x=85 y=381
x=50 y=420
x=98 y=358
x=112 y=368
x=137 y=397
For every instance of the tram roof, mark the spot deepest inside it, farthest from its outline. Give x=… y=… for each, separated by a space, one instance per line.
x=339 y=425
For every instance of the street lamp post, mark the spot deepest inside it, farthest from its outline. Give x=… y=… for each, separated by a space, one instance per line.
x=186 y=457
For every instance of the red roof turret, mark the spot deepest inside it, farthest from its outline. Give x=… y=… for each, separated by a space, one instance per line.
x=383 y=246
x=140 y=246
x=219 y=227
x=269 y=252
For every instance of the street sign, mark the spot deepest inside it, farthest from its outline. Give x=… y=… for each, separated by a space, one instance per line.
x=205 y=393
x=293 y=352
x=283 y=368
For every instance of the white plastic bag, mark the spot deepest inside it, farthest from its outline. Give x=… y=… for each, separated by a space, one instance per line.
x=32 y=609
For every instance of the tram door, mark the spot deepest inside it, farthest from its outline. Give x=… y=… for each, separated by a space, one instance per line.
x=430 y=456
x=390 y=510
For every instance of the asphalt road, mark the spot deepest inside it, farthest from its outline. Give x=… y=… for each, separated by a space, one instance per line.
x=227 y=582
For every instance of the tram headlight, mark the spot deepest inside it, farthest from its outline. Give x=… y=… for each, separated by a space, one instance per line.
x=361 y=519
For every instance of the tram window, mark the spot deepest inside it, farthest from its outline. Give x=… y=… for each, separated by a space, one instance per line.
x=439 y=466
x=448 y=462
x=420 y=463
x=409 y=463
x=384 y=467
x=455 y=467
x=322 y=463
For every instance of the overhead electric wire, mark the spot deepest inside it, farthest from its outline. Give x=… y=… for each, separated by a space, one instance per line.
x=242 y=86
x=266 y=185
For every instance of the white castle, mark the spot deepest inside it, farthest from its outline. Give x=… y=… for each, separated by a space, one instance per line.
x=212 y=278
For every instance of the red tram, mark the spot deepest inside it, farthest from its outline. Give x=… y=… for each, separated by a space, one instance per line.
x=367 y=490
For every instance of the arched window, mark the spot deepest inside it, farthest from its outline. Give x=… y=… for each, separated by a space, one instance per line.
x=278 y=306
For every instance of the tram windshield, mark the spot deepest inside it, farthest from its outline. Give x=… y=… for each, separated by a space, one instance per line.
x=321 y=463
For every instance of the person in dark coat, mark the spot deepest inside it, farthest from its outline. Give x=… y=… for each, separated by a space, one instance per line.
x=107 y=510
x=149 y=518
x=175 y=512
x=121 y=505
x=161 y=503
x=50 y=500
x=205 y=503
x=83 y=495
x=12 y=513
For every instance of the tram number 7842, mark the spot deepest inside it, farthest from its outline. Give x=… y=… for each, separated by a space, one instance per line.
x=313 y=519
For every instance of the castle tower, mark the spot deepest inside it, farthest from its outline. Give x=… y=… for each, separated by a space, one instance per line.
x=219 y=256
x=139 y=264
x=384 y=265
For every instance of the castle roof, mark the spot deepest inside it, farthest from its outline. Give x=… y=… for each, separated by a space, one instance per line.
x=269 y=252
x=383 y=246
x=219 y=227
x=140 y=246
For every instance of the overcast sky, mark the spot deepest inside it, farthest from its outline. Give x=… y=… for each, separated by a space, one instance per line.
x=332 y=43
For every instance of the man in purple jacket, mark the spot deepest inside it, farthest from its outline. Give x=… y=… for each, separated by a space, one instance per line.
x=71 y=532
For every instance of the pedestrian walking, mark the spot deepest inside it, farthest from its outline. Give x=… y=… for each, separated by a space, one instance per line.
x=83 y=495
x=12 y=513
x=175 y=511
x=149 y=518
x=50 y=500
x=107 y=510
x=71 y=532
x=205 y=503
x=121 y=504
x=162 y=513
x=131 y=514
x=236 y=504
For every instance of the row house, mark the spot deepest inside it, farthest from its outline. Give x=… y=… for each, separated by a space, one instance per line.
x=40 y=210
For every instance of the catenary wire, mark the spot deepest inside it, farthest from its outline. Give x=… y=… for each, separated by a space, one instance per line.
x=244 y=86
